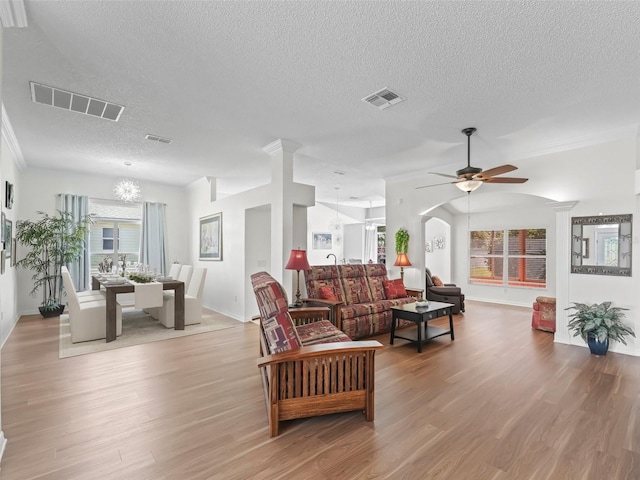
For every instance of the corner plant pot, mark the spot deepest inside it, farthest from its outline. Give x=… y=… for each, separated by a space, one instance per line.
x=48 y=312
x=597 y=347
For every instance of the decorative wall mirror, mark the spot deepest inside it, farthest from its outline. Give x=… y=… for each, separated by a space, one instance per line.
x=601 y=245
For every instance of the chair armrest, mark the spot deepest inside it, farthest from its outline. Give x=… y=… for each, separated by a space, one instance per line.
x=305 y=315
x=415 y=292
x=335 y=317
x=450 y=285
x=454 y=291
x=320 y=350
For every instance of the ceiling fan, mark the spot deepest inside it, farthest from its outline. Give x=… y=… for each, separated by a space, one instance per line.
x=470 y=178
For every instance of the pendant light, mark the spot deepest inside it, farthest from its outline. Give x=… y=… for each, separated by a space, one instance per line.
x=126 y=189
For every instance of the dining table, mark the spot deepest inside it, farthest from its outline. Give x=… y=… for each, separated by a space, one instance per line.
x=114 y=286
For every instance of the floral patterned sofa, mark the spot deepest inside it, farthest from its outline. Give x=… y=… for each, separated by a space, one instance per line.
x=360 y=296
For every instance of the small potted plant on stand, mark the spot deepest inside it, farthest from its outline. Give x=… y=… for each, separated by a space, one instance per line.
x=52 y=241
x=597 y=324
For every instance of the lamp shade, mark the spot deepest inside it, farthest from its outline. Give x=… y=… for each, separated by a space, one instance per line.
x=402 y=260
x=298 y=261
x=468 y=185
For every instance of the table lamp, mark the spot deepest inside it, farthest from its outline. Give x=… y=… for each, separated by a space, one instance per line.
x=298 y=261
x=402 y=261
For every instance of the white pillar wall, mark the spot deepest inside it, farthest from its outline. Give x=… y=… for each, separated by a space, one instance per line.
x=563 y=269
x=283 y=228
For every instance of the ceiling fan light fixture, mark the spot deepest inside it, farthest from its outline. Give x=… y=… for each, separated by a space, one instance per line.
x=469 y=185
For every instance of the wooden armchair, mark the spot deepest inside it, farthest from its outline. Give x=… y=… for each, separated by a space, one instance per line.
x=311 y=380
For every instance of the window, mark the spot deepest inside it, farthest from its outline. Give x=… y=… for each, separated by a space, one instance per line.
x=107 y=238
x=115 y=232
x=523 y=263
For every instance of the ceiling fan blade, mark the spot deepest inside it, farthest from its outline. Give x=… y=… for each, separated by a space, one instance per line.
x=442 y=174
x=505 y=180
x=492 y=172
x=436 y=184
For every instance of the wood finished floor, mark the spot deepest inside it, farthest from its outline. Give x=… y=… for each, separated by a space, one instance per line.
x=500 y=402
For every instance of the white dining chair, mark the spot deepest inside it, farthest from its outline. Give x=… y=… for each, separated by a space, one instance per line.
x=86 y=296
x=174 y=270
x=183 y=276
x=87 y=319
x=192 y=302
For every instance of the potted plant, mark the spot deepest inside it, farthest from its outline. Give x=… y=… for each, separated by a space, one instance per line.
x=402 y=241
x=597 y=324
x=51 y=241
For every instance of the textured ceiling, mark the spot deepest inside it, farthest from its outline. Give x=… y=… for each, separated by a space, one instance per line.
x=224 y=79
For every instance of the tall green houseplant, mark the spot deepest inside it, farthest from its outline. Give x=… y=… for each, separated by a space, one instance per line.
x=51 y=241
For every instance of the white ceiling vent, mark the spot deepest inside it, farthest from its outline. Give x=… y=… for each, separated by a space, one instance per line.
x=383 y=99
x=156 y=138
x=75 y=102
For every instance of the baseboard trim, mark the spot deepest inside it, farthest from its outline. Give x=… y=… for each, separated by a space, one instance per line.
x=498 y=302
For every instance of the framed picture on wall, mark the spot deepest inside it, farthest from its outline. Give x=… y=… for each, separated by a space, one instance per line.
x=438 y=242
x=13 y=252
x=428 y=246
x=211 y=237
x=8 y=233
x=321 y=241
x=8 y=194
x=2 y=219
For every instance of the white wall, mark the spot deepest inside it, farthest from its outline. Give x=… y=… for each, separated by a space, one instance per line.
x=38 y=192
x=320 y=219
x=227 y=287
x=9 y=280
x=439 y=259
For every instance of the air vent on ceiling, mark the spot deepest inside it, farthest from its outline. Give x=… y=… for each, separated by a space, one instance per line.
x=383 y=99
x=156 y=138
x=75 y=102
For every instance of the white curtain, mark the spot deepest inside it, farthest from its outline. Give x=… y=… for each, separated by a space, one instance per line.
x=80 y=270
x=370 y=245
x=154 y=238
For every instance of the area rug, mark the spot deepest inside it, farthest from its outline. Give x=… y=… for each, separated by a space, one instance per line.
x=139 y=327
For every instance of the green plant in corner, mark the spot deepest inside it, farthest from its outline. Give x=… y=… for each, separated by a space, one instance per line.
x=600 y=321
x=402 y=241
x=52 y=241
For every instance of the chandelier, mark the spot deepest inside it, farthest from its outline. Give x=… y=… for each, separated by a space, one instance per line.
x=127 y=189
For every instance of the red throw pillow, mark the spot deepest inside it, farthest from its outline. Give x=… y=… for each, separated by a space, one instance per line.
x=394 y=289
x=326 y=293
x=437 y=282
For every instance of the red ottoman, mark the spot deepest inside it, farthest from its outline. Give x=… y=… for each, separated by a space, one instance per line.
x=544 y=314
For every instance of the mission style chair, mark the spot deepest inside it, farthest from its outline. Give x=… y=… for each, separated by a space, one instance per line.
x=308 y=366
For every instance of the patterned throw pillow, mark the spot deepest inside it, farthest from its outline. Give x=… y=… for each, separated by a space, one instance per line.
x=394 y=289
x=437 y=282
x=326 y=293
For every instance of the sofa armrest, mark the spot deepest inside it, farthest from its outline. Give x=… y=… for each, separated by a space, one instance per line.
x=320 y=350
x=450 y=285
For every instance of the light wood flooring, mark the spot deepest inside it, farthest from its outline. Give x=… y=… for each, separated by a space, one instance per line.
x=500 y=402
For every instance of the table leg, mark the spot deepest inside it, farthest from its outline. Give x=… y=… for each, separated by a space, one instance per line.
x=179 y=307
x=451 y=322
x=420 y=335
x=111 y=316
x=95 y=284
x=393 y=328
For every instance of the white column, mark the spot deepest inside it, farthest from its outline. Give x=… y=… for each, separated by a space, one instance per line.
x=282 y=225
x=563 y=269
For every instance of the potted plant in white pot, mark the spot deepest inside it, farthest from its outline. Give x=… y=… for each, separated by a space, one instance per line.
x=597 y=324
x=51 y=241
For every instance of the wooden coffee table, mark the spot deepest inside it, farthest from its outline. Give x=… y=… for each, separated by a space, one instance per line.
x=420 y=316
